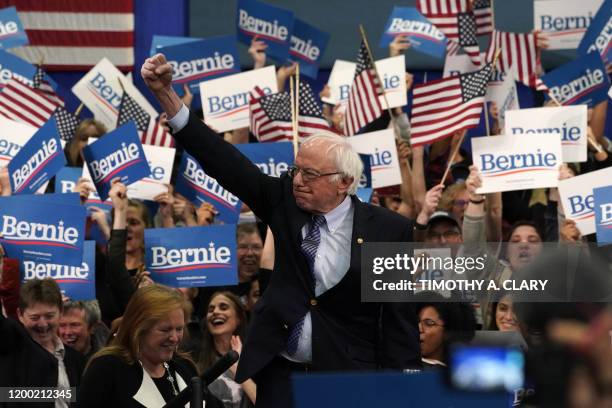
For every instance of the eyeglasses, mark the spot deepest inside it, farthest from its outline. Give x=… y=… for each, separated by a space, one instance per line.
x=254 y=248
x=430 y=323
x=448 y=235
x=307 y=174
x=460 y=203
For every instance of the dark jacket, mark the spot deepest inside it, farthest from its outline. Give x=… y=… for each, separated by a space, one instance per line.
x=346 y=334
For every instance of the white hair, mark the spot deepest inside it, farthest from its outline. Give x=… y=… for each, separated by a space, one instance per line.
x=342 y=154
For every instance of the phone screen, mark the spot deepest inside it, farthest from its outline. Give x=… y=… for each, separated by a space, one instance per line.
x=486 y=368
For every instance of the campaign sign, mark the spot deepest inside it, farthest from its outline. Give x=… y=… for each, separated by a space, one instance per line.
x=458 y=64
x=12 y=33
x=100 y=90
x=225 y=101
x=75 y=282
x=505 y=97
x=564 y=21
x=199 y=61
x=380 y=145
x=516 y=162
x=272 y=159
x=271 y=24
x=43 y=229
x=192 y=257
x=583 y=80
x=66 y=180
x=12 y=66
x=308 y=44
x=366 y=175
x=602 y=198
x=13 y=136
x=570 y=122
x=117 y=154
x=38 y=161
x=423 y=35
x=597 y=37
x=161 y=160
x=392 y=73
x=198 y=187
x=576 y=195
x=364 y=194
x=160 y=41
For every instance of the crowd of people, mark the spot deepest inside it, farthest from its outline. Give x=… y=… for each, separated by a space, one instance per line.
x=297 y=304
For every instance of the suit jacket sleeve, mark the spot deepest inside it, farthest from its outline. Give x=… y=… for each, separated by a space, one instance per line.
x=230 y=168
x=400 y=336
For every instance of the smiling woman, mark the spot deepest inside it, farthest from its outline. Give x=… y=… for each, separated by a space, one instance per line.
x=142 y=367
x=224 y=331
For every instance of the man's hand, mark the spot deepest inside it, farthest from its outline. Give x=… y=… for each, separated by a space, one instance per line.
x=5 y=184
x=257 y=51
x=157 y=73
x=118 y=195
x=432 y=199
x=399 y=44
x=84 y=188
x=569 y=232
x=187 y=97
x=474 y=182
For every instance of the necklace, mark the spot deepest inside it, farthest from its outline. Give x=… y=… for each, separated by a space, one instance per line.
x=171 y=379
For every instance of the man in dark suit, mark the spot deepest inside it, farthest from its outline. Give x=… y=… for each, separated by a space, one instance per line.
x=311 y=316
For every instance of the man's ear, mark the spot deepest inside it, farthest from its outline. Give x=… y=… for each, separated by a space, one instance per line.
x=344 y=184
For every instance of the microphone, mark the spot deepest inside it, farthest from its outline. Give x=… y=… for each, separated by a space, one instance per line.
x=207 y=377
x=196 y=393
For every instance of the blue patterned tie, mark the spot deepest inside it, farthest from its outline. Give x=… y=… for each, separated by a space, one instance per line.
x=309 y=247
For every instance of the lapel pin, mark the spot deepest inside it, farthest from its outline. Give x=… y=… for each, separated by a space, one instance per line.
x=360 y=240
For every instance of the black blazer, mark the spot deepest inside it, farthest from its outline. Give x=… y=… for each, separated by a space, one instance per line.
x=111 y=382
x=24 y=362
x=345 y=331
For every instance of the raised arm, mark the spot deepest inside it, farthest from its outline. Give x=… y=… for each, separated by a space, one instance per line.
x=218 y=158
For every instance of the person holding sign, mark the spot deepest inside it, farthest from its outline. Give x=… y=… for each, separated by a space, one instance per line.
x=311 y=316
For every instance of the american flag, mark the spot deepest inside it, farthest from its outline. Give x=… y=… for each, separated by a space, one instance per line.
x=466 y=27
x=442 y=107
x=519 y=53
x=40 y=82
x=149 y=129
x=22 y=103
x=157 y=135
x=66 y=123
x=271 y=115
x=441 y=13
x=76 y=35
x=363 y=104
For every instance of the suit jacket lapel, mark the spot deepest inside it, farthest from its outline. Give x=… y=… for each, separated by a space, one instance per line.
x=361 y=218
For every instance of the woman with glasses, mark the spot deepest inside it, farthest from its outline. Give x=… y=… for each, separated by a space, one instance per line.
x=441 y=323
